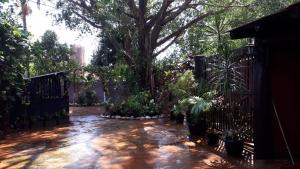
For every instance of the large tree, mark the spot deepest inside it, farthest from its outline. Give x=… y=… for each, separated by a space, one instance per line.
x=147 y=27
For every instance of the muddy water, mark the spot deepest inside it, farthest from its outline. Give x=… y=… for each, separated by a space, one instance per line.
x=93 y=142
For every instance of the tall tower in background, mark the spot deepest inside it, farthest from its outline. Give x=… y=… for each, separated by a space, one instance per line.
x=78 y=54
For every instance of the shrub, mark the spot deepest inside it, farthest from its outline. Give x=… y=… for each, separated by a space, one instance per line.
x=87 y=98
x=13 y=49
x=81 y=99
x=200 y=106
x=184 y=85
x=90 y=98
x=140 y=104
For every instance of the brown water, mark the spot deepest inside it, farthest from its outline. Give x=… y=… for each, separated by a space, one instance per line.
x=93 y=142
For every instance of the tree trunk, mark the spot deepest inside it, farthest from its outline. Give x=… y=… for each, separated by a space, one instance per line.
x=24 y=19
x=145 y=71
x=145 y=57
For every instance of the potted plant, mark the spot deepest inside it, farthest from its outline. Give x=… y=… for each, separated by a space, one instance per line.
x=181 y=108
x=180 y=90
x=172 y=115
x=234 y=145
x=213 y=136
x=196 y=116
x=179 y=116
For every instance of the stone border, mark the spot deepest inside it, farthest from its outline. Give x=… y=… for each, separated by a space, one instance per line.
x=162 y=116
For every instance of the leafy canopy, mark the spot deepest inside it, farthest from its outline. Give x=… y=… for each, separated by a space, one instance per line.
x=48 y=55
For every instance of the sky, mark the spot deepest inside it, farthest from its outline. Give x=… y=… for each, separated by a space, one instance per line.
x=38 y=22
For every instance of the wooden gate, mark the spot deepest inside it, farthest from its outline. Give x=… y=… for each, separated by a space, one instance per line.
x=45 y=102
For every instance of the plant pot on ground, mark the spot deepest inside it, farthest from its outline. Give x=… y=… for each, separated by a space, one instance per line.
x=197 y=129
x=196 y=119
x=179 y=116
x=172 y=116
x=234 y=145
x=213 y=137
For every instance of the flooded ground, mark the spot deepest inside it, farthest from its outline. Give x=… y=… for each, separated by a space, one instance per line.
x=92 y=142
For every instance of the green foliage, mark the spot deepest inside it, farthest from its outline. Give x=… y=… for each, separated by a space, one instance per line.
x=91 y=97
x=137 y=105
x=193 y=105
x=48 y=55
x=168 y=69
x=109 y=106
x=184 y=86
x=96 y=74
x=267 y=7
x=183 y=106
x=197 y=107
x=88 y=81
x=167 y=72
x=205 y=38
x=123 y=75
x=115 y=75
x=106 y=54
x=13 y=48
x=138 y=36
x=87 y=98
x=81 y=99
x=226 y=76
x=141 y=104
x=177 y=110
x=201 y=105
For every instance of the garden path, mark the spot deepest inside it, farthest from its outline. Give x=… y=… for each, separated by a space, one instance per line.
x=93 y=142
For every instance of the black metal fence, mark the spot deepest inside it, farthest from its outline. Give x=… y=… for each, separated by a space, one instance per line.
x=239 y=115
x=45 y=102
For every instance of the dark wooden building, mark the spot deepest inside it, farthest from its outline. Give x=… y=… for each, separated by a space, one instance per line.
x=277 y=80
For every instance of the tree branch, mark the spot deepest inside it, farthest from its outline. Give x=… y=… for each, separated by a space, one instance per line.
x=157 y=22
x=104 y=26
x=132 y=6
x=180 y=9
x=92 y=23
x=180 y=30
x=119 y=47
x=166 y=47
x=160 y=14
